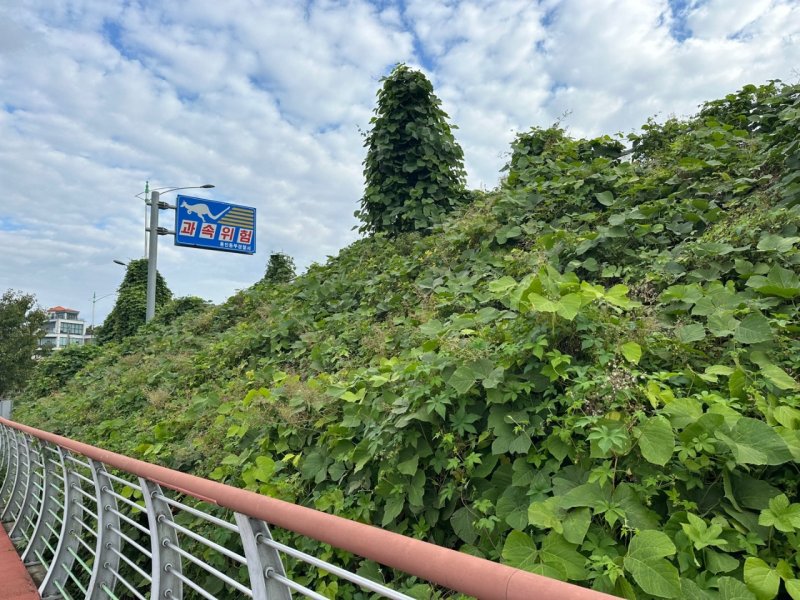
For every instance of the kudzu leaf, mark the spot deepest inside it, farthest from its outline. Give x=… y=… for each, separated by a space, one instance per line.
x=569 y=306
x=520 y=551
x=632 y=352
x=463 y=526
x=776 y=243
x=646 y=563
x=762 y=580
x=576 y=524
x=694 y=332
x=733 y=589
x=753 y=329
x=778 y=282
x=462 y=379
x=793 y=588
x=559 y=554
x=656 y=440
x=605 y=198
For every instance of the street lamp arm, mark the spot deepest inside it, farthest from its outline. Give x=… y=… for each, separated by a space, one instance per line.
x=165 y=190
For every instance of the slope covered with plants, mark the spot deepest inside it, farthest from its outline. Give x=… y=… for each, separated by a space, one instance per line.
x=589 y=372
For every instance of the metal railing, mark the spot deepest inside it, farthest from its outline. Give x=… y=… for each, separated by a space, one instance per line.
x=101 y=525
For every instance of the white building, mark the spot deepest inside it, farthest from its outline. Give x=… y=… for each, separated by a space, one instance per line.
x=63 y=327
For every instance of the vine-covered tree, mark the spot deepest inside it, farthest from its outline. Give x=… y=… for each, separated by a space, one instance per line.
x=414 y=167
x=21 y=324
x=129 y=311
x=280 y=268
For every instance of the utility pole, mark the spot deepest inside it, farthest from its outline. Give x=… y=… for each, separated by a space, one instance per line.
x=152 y=257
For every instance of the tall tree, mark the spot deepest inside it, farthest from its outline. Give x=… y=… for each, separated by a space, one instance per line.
x=21 y=324
x=129 y=311
x=280 y=268
x=414 y=168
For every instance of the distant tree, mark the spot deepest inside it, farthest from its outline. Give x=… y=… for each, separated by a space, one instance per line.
x=129 y=311
x=280 y=268
x=21 y=322
x=414 y=168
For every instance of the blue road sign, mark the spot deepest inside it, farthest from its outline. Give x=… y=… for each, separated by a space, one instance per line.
x=215 y=225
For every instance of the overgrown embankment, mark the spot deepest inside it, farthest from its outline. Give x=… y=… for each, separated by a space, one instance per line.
x=589 y=373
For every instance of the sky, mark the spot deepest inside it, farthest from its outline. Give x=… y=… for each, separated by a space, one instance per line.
x=269 y=100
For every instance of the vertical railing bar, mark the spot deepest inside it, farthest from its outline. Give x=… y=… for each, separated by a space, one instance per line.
x=25 y=498
x=261 y=559
x=166 y=565
x=57 y=575
x=6 y=512
x=107 y=538
x=44 y=519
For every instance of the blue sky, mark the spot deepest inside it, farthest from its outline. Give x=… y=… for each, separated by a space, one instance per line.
x=267 y=100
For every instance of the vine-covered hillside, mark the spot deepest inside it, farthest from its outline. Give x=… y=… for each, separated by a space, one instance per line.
x=590 y=373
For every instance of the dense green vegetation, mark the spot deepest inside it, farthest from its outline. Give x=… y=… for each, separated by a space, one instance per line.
x=414 y=168
x=129 y=310
x=589 y=372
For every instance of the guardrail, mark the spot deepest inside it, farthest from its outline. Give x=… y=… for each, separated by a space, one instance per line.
x=103 y=525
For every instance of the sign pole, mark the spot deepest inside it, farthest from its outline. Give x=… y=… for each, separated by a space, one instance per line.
x=155 y=197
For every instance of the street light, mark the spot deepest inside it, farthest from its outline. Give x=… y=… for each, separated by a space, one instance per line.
x=152 y=257
x=95 y=299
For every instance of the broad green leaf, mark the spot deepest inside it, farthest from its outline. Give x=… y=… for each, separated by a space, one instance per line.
x=558 y=553
x=776 y=243
x=691 y=591
x=569 y=306
x=780 y=282
x=605 y=198
x=576 y=524
x=762 y=580
x=645 y=562
x=519 y=551
x=409 y=467
x=753 y=329
x=392 y=508
x=539 y=303
x=719 y=562
x=656 y=440
x=632 y=352
x=502 y=286
x=462 y=379
x=733 y=589
x=694 y=332
x=773 y=373
x=754 y=442
x=544 y=515
x=512 y=507
x=463 y=526
x=722 y=323
x=793 y=588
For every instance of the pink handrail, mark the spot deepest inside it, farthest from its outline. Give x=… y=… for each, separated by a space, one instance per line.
x=455 y=570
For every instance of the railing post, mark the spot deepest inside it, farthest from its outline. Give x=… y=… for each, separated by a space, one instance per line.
x=28 y=506
x=166 y=562
x=106 y=563
x=21 y=479
x=8 y=453
x=47 y=509
x=63 y=557
x=262 y=560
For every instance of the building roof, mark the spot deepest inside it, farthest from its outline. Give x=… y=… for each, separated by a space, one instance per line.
x=62 y=309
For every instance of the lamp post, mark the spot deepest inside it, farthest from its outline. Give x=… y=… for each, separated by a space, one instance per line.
x=152 y=257
x=95 y=300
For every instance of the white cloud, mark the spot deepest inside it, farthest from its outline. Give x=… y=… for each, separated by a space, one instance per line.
x=266 y=99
